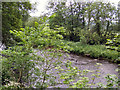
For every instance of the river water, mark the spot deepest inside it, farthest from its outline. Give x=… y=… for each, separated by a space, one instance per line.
x=77 y=61
x=82 y=63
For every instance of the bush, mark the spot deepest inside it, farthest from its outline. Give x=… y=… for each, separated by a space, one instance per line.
x=17 y=64
x=89 y=37
x=94 y=51
x=20 y=59
x=114 y=43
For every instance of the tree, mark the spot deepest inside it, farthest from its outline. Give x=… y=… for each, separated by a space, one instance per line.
x=69 y=16
x=57 y=8
x=13 y=16
x=118 y=15
x=102 y=14
x=31 y=21
x=88 y=11
x=98 y=15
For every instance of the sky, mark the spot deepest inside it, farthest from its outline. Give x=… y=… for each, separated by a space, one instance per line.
x=41 y=5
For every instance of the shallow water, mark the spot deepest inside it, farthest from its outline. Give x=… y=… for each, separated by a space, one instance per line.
x=82 y=63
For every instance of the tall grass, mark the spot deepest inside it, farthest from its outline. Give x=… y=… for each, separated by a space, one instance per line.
x=93 y=51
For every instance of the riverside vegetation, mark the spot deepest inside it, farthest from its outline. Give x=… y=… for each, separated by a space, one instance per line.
x=20 y=57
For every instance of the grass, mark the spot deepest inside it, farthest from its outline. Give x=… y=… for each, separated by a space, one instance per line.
x=93 y=51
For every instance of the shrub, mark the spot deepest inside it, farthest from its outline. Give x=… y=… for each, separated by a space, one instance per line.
x=21 y=58
x=89 y=37
x=94 y=51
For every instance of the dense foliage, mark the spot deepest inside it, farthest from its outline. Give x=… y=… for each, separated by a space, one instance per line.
x=20 y=61
x=93 y=17
x=93 y=51
x=31 y=21
x=14 y=14
x=114 y=43
x=38 y=42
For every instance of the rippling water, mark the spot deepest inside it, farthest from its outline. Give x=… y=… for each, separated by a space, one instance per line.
x=82 y=63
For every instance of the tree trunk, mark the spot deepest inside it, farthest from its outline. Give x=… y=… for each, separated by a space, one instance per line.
x=98 y=26
x=89 y=17
x=108 y=23
x=72 y=32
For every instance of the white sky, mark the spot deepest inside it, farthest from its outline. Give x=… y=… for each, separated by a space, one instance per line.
x=41 y=5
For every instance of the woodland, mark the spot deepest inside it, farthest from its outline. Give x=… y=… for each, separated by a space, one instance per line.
x=90 y=29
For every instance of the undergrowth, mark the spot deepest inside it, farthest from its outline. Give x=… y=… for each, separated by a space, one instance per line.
x=93 y=51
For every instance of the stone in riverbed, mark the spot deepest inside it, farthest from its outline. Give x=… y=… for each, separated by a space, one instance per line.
x=81 y=63
x=84 y=63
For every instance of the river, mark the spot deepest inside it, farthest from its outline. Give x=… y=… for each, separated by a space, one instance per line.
x=82 y=63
